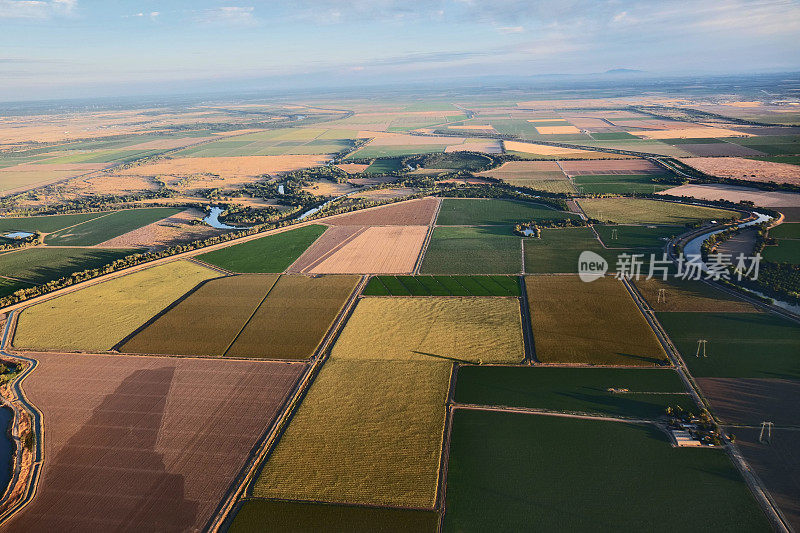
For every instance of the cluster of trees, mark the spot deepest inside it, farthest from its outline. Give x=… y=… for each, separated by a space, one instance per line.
x=534 y=227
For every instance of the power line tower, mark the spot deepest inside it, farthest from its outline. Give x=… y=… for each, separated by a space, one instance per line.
x=766 y=433
x=701 y=347
x=614 y=235
x=662 y=296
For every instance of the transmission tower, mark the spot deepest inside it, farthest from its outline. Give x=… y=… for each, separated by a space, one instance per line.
x=662 y=296
x=766 y=433
x=614 y=235
x=701 y=346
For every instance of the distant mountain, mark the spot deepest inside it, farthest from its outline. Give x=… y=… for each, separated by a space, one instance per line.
x=623 y=71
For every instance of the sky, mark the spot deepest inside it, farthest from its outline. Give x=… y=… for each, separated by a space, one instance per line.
x=68 y=48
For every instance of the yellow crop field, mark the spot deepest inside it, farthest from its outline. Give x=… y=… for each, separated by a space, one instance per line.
x=418 y=329
x=99 y=316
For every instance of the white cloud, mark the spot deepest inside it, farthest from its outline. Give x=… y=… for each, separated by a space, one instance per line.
x=511 y=29
x=228 y=16
x=36 y=9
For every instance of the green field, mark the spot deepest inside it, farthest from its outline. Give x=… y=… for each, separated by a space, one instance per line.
x=45 y=224
x=442 y=286
x=578 y=322
x=492 y=212
x=108 y=226
x=97 y=317
x=101 y=156
x=256 y=515
x=8 y=286
x=788 y=247
x=613 y=136
x=739 y=345
x=618 y=184
x=39 y=265
x=287 y=141
x=473 y=250
x=368 y=432
x=294 y=317
x=557 y=250
x=643 y=211
x=205 y=321
x=271 y=254
x=690 y=296
x=624 y=236
x=458 y=161
x=518 y=472
x=770 y=144
x=382 y=166
x=580 y=390
x=487 y=330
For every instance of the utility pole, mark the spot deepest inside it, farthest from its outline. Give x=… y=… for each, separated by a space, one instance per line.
x=701 y=345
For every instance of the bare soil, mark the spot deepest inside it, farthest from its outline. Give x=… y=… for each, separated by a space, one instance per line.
x=418 y=212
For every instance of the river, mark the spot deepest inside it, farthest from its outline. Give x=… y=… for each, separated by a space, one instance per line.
x=212 y=219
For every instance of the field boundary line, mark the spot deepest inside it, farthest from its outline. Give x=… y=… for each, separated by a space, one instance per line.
x=754 y=483
x=527 y=324
x=209 y=265
x=428 y=238
x=441 y=497
x=242 y=485
x=330 y=253
x=250 y=318
x=548 y=412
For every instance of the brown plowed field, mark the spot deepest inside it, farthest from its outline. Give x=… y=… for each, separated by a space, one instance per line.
x=732 y=193
x=610 y=166
x=334 y=238
x=378 y=250
x=418 y=212
x=145 y=443
x=752 y=401
x=777 y=463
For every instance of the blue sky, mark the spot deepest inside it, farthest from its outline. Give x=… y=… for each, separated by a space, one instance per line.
x=53 y=48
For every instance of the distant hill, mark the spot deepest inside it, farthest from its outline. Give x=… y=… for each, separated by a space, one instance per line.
x=623 y=71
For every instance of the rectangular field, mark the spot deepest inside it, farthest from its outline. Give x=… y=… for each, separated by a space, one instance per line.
x=377 y=250
x=442 y=286
x=644 y=393
x=272 y=253
x=578 y=322
x=739 y=345
x=610 y=166
x=492 y=212
x=508 y=471
x=39 y=265
x=368 y=432
x=619 y=184
x=487 y=330
x=108 y=226
x=305 y=516
x=292 y=321
x=99 y=316
x=752 y=401
x=45 y=224
x=473 y=250
x=627 y=236
x=643 y=211
x=690 y=296
x=149 y=442
x=204 y=321
x=417 y=212
x=557 y=250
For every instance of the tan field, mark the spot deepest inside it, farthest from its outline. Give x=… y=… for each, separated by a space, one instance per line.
x=551 y=119
x=743 y=104
x=105 y=184
x=544 y=150
x=378 y=250
x=418 y=212
x=689 y=133
x=472 y=127
x=488 y=146
x=746 y=169
x=413 y=140
x=386 y=194
x=557 y=130
x=165 y=232
x=352 y=168
x=732 y=193
x=32 y=176
x=228 y=167
x=168 y=144
x=610 y=166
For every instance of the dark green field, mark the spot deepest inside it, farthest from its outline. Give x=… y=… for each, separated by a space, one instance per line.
x=458 y=161
x=787 y=251
x=789 y=230
x=787 y=159
x=613 y=136
x=257 y=515
x=492 y=212
x=273 y=253
x=618 y=184
x=582 y=390
x=382 y=166
x=442 y=286
x=39 y=265
x=519 y=472
x=739 y=345
x=45 y=224
x=473 y=250
x=770 y=144
x=108 y=226
x=8 y=286
x=557 y=250
x=651 y=237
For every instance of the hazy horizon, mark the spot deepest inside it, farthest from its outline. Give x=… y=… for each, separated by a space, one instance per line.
x=82 y=48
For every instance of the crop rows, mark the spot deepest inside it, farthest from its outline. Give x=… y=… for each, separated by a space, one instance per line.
x=443 y=286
